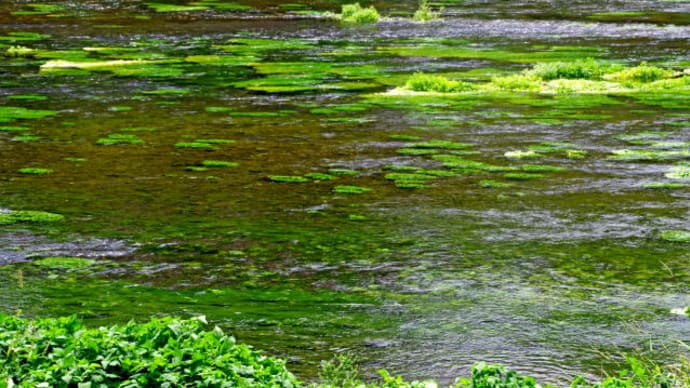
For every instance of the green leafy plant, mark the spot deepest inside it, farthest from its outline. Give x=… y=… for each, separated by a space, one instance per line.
x=355 y=13
x=579 y=69
x=642 y=73
x=164 y=352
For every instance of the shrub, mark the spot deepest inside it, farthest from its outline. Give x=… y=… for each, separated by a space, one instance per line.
x=424 y=13
x=354 y=13
x=161 y=353
x=421 y=82
x=578 y=69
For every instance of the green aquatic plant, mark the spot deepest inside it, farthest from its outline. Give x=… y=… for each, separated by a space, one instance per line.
x=441 y=144
x=35 y=171
x=681 y=171
x=162 y=352
x=342 y=171
x=164 y=7
x=355 y=13
x=119 y=139
x=424 y=13
x=522 y=176
x=29 y=216
x=665 y=185
x=348 y=189
x=540 y=168
x=642 y=73
x=531 y=154
x=196 y=145
x=682 y=236
x=491 y=184
x=57 y=262
x=9 y=114
x=318 y=176
x=416 y=151
x=588 y=69
x=218 y=163
x=648 y=155
x=26 y=138
x=19 y=36
x=13 y=128
x=20 y=51
x=421 y=82
x=288 y=179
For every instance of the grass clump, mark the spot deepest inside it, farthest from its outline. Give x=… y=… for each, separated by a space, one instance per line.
x=355 y=13
x=425 y=14
x=35 y=171
x=29 y=216
x=163 y=352
x=420 y=82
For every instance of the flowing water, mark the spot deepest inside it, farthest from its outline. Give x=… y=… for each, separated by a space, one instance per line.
x=164 y=146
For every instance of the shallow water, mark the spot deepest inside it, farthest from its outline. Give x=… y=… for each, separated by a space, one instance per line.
x=553 y=276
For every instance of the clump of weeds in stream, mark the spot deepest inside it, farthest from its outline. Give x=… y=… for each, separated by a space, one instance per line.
x=425 y=14
x=35 y=171
x=420 y=82
x=355 y=13
x=9 y=217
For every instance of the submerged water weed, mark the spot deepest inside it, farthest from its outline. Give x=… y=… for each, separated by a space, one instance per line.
x=164 y=7
x=62 y=262
x=410 y=180
x=491 y=184
x=342 y=171
x=218 y=163
x=681 y=172
x=642 y=73
x=9 y=114
x=288 y=179
x=319 y=176
x=119 y=139
x=355 y=13
x=682 y=236
x=519 y=176
x=441 y=144
x=35 y=171
x=349 y=189
x=665 y=185
x=420 y=82
x=648 y=155
x=540 y=168
x=159 y=353
x=204 y=144
x=531 y=154
x=588 y=69
x=416 y=151
x=20 y=52
x=424 y=13
x=29 y=216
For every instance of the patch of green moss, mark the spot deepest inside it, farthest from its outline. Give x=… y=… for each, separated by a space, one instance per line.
x=682 y=236
x=62 y=262
x=288 y=179
x=28 y=216
x=416 y=151
x=119 y=139
x=35 y=171
x=348 y=189
x=13 y=128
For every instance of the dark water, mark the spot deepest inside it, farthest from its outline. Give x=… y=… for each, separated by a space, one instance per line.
x=553 y=276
